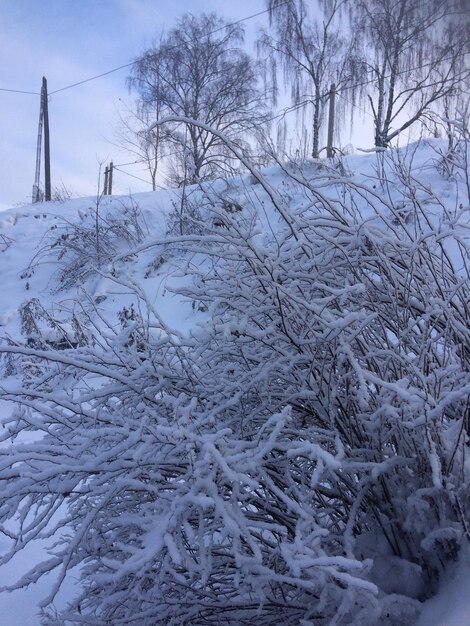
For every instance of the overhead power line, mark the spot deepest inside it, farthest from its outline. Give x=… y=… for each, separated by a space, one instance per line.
x=243 y=19
x=130 y=163
x=116 y=69
x=32 y=93
x=356 y=106
x=368 y=82
x=132 y=175
x=407 y=71
x=121 y=67
x=87 y=80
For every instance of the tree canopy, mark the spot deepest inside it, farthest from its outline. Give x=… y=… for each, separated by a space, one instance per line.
x=198 y=71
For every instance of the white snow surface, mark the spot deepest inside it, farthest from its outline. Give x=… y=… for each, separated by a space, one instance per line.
x=451 y=605
x=25 y=275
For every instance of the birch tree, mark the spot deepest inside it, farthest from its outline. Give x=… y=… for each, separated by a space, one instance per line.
x=416 y=58
x=314 y=51
x=199 y=71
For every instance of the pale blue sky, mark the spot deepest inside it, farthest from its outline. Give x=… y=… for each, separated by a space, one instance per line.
x=68 y=41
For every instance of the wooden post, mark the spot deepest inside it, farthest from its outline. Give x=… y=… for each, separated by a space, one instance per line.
x=110 y=179
x=47 y=153
x=43 y=125
x=105 y=186
x=331 y=122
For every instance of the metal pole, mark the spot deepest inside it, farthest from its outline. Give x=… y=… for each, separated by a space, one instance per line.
x=47 y=153
x=331 y=122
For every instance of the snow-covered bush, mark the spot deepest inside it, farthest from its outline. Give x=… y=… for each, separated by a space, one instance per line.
x=202 y=208
x=299 y=458
x=61 y=193
x=40 y=329
x=185 y=217
x=454 y=161
x=91 y=244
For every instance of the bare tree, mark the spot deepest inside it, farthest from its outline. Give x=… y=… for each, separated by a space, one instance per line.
x=417 y=51
x=313 y=52
x=198 y=71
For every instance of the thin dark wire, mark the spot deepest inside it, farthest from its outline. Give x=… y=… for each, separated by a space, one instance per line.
x=116 y=69
x=356 y=106
x=287 y=110
x=340 y=91
x=87 y=80
x=284 y=112
x=244 y=19
x=132 y=175
x=168 y=154
x=125 y=164
x=411 y=69
x=33 y=93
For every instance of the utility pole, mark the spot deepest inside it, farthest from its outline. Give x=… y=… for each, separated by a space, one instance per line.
x=110 y=179
x=47 y=152
x=36 y=190
x=105 y=186
x=43 y=125
x=331 y=122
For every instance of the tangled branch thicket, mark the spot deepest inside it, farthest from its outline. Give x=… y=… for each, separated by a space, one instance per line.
x=84 y=247
x=266 y=466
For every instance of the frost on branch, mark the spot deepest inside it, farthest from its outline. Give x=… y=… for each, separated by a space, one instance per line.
x=299 y=458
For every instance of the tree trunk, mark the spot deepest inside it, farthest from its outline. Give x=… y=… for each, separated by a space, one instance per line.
x=316 y=123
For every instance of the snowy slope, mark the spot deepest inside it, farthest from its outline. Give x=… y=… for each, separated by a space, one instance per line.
x=26 y=232
x=34 y=245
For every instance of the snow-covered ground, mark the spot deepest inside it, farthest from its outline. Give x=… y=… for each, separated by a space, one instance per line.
x=29 y=270
x=451 y=605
